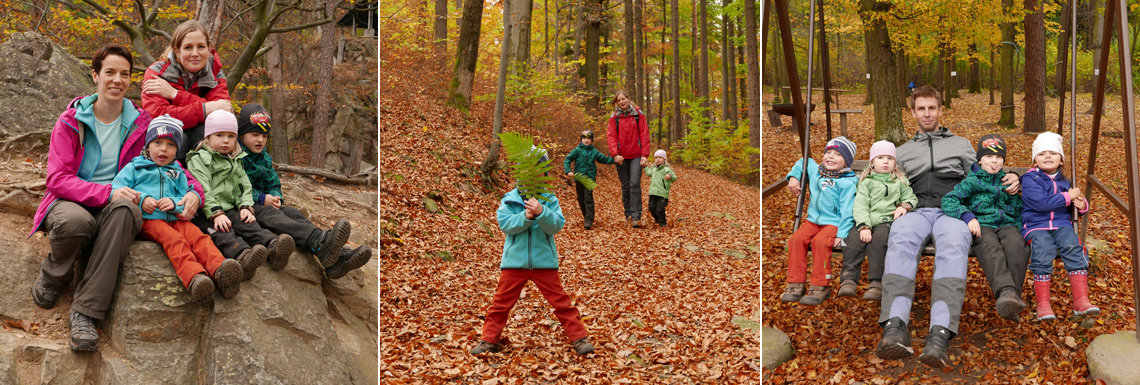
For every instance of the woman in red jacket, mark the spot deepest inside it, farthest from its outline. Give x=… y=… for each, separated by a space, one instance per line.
x=628 y=136
x=187 y=84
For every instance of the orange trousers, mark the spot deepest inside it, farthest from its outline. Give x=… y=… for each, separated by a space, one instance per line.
x=190 y=251
x=820 y=238
x=511 y=282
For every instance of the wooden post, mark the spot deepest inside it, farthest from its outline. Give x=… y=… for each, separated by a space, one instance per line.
x=799 y=108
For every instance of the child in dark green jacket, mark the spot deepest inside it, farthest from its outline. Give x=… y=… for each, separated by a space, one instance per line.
x=993 y=217
x=583 y=158
x=274 y=215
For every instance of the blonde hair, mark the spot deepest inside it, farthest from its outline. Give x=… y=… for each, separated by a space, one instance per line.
x=897 y=172
x=180 y=33
x=205 y=143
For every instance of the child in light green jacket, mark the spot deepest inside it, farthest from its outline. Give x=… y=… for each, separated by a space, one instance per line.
x=661 y=179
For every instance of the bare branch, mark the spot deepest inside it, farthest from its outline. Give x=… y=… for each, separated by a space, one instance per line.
x=302 y=26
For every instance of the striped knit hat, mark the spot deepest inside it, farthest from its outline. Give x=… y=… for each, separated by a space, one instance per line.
x=164 y=127
x=845 y=147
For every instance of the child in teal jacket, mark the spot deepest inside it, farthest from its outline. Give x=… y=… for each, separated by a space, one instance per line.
x=583 y=158
x=661 y=179
x=529 y=254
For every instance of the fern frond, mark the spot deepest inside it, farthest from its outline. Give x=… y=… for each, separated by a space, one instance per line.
x=528 y=169
x=586 y=182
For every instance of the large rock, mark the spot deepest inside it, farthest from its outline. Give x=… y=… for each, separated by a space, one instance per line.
x=37 y=79
x=16 y=278
x=1113 y=357
x=777 y=348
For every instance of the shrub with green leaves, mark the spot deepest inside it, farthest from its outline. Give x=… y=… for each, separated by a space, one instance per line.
x=528 y=170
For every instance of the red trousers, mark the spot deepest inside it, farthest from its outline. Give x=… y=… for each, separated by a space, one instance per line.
x=190 y=251
x=820 y=238
x=511 y=282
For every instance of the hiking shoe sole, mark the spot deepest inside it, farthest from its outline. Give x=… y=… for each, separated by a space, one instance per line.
x=358 y=259
x=201 y=288
x=328 y=254
x=934 y=361
x=228 y=277
x=894 y=351
x=1010 y=308
x=255 y=258
x=282 y=250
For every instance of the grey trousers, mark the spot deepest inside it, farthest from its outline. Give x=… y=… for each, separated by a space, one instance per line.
x=1004 y=257
x=101 y=238
x=629 y=173
x=952 y=249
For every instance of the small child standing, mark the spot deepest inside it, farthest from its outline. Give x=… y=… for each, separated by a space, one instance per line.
x=583 y=158
x=274 y=215
x=661 y=178
x=529 y=254
x=993 y=217
x=1048 y=226
x=828 y=221
x=228 y=210
x=159 y=180
x=883 y=195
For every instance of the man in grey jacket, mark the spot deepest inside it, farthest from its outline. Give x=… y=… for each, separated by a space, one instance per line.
x=934 y=161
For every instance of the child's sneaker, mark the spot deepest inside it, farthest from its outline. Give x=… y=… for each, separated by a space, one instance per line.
x=228 y=278
x=793 y=292
x=280 y=250
x=874 y=291
x=327 y=247
x=350 y=259
x=251 y=259
x=201 y=288
x=847 y=288
x=896 y=341
x=484 y=347
x=583 y=346
x=816 y=295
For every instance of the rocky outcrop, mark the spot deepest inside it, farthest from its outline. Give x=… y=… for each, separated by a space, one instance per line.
x=777 y=347
x=37 y=79
x=1112 y=358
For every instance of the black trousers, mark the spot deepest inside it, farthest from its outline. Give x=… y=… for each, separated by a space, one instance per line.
x=875 y=251
x=1004 y=257
x=286 y=220
x=240 y=237
x=657 y=208
x=585 y=202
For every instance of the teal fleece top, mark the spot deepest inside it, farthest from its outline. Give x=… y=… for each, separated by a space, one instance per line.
x=982 y=196
x=529 y=243
x=583 y=158
x=152 y=181
x=658 y=185
x=877 y=197
x=832 y=199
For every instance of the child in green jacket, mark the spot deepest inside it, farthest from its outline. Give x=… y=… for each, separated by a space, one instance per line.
x=661 y=179
x=583 y=158
x=994 y=218
x=228 y=210
x=883 y=195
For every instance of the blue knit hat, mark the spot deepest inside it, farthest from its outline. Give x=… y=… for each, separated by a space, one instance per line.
x=164 y=127
x=845 y=147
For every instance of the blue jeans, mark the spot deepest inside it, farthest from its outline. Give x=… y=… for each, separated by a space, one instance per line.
x=1045 y=245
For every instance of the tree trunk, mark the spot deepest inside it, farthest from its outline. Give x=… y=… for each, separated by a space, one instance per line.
x=1007 y=117
x=741 y=86
x=324 y=99
x=703 y=69
x=1060 y=82
x=975 y=70
x=947 y=80
x=993 y=63
x=888 y=117
x=1034 y=119
x=466 y=55
x=209 y=13
x=594 y=14
x=642 y=90
x=869 y=97
x=662 y=80
x=603 y=65
x=754 y=107
x=1094 y=43
x=901 y=68
x=488 y=166
x=629 y=45
x=726 y=78
x=440 y=27
x=520 y=40
x=675 y=132
x=277 y=96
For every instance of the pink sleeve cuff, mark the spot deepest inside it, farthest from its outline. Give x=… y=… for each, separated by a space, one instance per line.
x=1068 y=200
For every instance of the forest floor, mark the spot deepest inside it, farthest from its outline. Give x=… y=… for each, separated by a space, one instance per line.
x=989 y=349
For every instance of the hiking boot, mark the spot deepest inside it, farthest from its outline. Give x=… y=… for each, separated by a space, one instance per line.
x=1044 y=310
x=847 y=288
x=636 y=223
x=84 y=338
x=934 y=352
x=583 y=346
x=42 y=295
x=589 y=225
x=201 y=288
x=874 y=291
x=793 y=292
x=250 y=260
x=1078 y=283
x=228 y=277
x=350 y=259
x=816 y=295
x=1009 y=304
x=280 y=250
x=896 y=341
x=484 y=347
x=327 y=247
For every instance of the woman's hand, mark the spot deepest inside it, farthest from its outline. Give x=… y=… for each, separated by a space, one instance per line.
x=618 y=159
x=160 y=87
x=222 y=223
x=247 y=215
x=189 y=205
x=644 y=162
x=217 y=105
x=125 y=193
x=148 y=205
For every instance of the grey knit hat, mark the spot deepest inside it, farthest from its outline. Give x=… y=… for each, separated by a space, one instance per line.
x=845 y=147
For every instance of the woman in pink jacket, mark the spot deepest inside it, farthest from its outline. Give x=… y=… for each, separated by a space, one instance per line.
x=628 y=137
x=83 y=217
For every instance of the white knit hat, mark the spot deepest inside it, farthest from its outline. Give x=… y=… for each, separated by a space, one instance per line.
x=1048 y=141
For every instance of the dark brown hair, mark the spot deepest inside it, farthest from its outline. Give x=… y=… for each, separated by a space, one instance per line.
x=111 y=49
x=925 y=91
x=180 y=33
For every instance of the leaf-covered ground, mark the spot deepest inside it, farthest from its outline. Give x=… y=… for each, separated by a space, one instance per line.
x=674 y=305
x=835 y=342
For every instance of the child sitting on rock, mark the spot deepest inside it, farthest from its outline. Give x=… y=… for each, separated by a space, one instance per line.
x=273 y=214
x=159 y=180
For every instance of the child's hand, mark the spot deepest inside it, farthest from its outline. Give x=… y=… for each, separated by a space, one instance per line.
x=222 y=223
x=149 y=204
x=644 y=162
x=618 y=159
x=247 y=215
x=570 y=174
x=836 y=242
x=533 y=208
x=900 y=211
x=975 y=228
x=1075 y=193
x=865 y=235
x=668 y=177
x=273 y=201
x=794 y=186
x=1080 y=203
x=165 y=204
